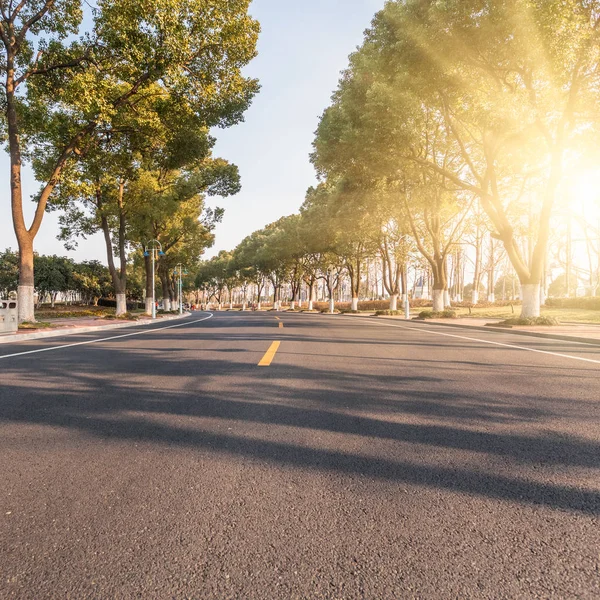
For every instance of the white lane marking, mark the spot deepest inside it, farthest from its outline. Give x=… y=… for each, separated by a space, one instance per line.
x=114 y=337
x=462 y=337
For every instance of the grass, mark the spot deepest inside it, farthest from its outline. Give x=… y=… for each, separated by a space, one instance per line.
x=36 y=325
x=73 y=312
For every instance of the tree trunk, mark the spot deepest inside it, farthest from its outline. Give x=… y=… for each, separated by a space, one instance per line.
x=438 y=300
x=394 y=302
x=25 y=289
x=447 y=303
x=354 y=303
x=530 y=296
x=121 y=303
x=331 y=305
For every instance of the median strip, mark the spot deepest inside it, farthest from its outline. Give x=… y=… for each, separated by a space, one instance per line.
x=267 y=359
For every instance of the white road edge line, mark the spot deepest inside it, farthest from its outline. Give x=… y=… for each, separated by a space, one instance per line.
x=114 y=337
x=462 y=337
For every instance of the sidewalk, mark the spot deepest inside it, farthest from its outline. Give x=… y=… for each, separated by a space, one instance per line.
x=75 y=325
x=587 y=333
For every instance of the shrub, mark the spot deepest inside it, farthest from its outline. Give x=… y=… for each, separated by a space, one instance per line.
x=444 y=314
x=546 y=321
x=35 y=325
x=389 y=313
x=129 y=316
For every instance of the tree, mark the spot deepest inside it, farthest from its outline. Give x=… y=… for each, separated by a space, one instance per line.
x=53 y=275
x=92 y=281
x=509 y=85
x=57 y=93
x=9 y=272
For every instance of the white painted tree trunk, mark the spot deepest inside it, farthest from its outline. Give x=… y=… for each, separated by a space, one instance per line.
x=438 y=300
x=148 y=306
x=354 y=304
x=394 y=302
x=475 y=297
x=331 y=306
x=492 y=297
x=121 y=304
x=293 y=305
x=230 y=305
x=26 y=303
x=244 y=306
x=258 y=305
x=530 y=296
x=310 y=304
x=404 y=300
x=166 y=304
x=447 y=303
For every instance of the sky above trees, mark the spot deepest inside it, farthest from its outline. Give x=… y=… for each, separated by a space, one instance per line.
x=302 y=49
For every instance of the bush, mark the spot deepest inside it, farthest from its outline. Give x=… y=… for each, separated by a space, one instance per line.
x=348 y=311
x=389 y=313
x=35 y=325
x=546 y=321
x=129 y=316
x=444 y=314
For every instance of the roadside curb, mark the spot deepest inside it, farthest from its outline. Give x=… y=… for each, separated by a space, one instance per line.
x=551 y=336
x=23 y=337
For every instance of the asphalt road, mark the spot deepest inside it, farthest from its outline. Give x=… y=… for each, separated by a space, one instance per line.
x=371 y=459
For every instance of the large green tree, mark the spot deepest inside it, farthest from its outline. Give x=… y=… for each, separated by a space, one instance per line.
x=508 y=87
x=58 y=91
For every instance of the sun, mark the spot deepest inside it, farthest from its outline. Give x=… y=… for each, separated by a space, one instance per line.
x=585 y=193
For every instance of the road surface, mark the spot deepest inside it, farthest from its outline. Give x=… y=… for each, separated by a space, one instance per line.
x=364 y=458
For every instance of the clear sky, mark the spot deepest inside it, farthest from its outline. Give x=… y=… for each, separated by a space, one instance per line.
x=302 y=49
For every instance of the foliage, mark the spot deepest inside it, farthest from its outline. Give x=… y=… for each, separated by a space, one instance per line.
x=545 y=321
x=9 y=272
x=444 y=314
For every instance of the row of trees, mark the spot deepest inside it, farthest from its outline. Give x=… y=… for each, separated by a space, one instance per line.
x=115 y=121
x=461 y=111
x=447 y=140
x=84 y=282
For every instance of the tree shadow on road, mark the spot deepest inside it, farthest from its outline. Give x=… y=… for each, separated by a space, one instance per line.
x=175 y=397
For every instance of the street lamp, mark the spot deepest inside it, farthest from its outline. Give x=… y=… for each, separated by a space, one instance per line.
x=153 y=246
x=179 y=271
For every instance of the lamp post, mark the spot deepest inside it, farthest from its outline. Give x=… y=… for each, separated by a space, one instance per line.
x=153 y=246
x=179 y=271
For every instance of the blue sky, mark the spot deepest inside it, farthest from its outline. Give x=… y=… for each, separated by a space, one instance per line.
x=302 y=49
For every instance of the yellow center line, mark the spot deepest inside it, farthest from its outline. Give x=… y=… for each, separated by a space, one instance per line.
x=267 y=359
x=278 y=318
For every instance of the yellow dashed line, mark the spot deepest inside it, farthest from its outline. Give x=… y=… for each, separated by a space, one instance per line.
x=267 y=359
x=280 y=325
